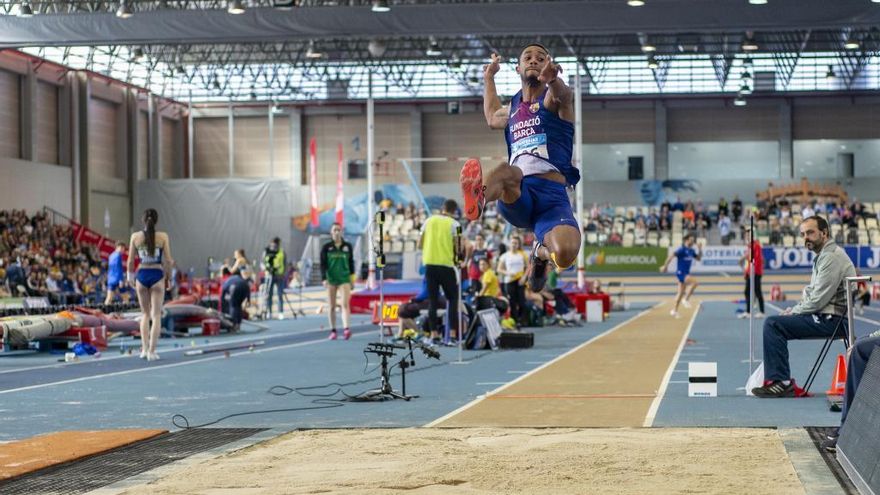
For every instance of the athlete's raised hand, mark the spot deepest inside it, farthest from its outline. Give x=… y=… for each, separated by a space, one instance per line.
x=549 y=72
x=492 y=68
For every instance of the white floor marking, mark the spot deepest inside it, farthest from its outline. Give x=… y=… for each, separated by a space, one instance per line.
x=655 y=404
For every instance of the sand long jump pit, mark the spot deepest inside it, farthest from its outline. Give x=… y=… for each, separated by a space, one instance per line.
x=493 y=460
x=584 y=435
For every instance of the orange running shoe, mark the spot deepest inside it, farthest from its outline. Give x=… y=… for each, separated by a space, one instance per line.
x=472 y=189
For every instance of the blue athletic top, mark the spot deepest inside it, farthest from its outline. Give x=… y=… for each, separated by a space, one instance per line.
x=685 y=256
x=147 y=258
x=115 y=271
x=534 y=130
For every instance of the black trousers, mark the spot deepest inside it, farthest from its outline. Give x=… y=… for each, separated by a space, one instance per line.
x=232 y=299
x=758 y=295
x=442 y=276
x=516 y=294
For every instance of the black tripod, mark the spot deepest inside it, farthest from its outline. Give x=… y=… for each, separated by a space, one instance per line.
x=385 y=391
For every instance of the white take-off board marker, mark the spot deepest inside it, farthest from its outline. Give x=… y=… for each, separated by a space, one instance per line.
x=702 y=379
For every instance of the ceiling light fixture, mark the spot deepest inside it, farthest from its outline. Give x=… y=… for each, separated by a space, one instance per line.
x=124 y=11
x=635 y=3
x=652 y=63
x=455 y=62
x=235 y=7
x=380 y=6
x=746 y=75
x=648 y=47
x=852 y=44
x=433 y=48
x=745 y=89
x=739 y=101
x=758 y=2
x=749 y=44
x=313 y=52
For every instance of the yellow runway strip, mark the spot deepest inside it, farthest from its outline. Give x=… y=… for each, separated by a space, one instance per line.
x=611 y=381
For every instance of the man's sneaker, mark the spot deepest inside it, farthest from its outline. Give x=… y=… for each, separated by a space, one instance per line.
x=830 y=445
x=346 y=334
x=685 y=303
x=759 y=315
x=472 y=189
x=833 y=434
x=333 y=335
x=152 y=356
x=144 y=354
x=743 y=315
x=673 y=313
x=538 y=271
x=775 y=389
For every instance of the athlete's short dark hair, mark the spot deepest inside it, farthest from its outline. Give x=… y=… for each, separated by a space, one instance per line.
x=542 y=47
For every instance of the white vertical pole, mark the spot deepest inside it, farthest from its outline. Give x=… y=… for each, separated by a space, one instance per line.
x=750 y=303
x=579 y=163
x=190 y=147
x=272 y=140
x=371 y=208
x=231 y=143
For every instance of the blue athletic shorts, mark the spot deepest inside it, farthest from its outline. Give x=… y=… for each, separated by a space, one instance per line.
x=681 y=276
x=542 y=205
x=149 y=276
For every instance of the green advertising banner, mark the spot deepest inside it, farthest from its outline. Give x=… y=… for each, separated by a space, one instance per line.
x=623 y=259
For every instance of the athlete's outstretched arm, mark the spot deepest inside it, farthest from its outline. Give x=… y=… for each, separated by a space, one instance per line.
x=559 y=97
x=495 y=112
x=666 y=263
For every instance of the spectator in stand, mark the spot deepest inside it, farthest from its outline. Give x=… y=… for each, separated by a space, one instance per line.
x=759 y=273
x=678 y=205
x=724 y=227
x=477 y=251
x=489 y=295
x=16 y=278
x=653 y=220
x=512 y=266
x=737 y=208
x=723 y=207
x=808 y=210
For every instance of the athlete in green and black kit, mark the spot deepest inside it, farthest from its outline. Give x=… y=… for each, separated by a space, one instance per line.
x=337 y=272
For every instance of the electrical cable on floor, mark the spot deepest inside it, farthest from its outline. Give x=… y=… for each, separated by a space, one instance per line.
x=323 y=401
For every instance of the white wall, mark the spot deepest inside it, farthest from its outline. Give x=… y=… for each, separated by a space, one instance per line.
x=31 y=186
x=610 y=161
x=817 y=158
x=724 y=160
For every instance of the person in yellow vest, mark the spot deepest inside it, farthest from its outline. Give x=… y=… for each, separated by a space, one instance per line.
x=441 y=252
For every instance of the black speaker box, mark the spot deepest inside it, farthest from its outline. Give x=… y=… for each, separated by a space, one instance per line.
x=516 y=340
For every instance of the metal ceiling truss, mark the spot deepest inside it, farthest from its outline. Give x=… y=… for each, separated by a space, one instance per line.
x=90 y=6
x=402 y=68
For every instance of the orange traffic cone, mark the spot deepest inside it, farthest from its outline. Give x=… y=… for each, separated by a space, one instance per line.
x=838 y=380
